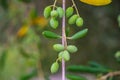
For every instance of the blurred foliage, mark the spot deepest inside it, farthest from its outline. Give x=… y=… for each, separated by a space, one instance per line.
x=117 y=56
x=92 y=68
x=19 y=59
x=119 y=20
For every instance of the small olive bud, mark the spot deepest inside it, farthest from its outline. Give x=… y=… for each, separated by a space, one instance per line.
x=72 y=48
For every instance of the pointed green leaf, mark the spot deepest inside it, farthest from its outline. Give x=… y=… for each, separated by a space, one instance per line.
x=96 y=65
x=79 y=34
x=88 y=69
x=52 y=35
x=74 y=77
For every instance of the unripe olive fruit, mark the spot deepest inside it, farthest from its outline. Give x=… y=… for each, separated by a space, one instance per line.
x=54 y=68
x=73 y=19
x=117 y=55
x=58 y=47
x=69 y=11
x=60 y=56
x=47 y=12
x=72 y=48
x=54 y=13
x=66 y=55
x=54 y=23
x=60 y=12
x=79 y=22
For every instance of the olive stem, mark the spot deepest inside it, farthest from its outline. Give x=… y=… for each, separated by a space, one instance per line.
x=54 y=4
x=58 y=59
x=64 y=42
x=75 y=7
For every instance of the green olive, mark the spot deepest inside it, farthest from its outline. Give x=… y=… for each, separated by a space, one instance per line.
x=60 y=12
x=69 y=11
x=79 y=22
x=54 y=23
x=73 y=19
x=54 y=13
x=66 y=55
x=58 y=47
x=47 y=12
x=72 y=48
x=54 y=68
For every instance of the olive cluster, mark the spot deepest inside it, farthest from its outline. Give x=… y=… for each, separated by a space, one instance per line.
x=54 y=13
x=73 y=18
x=58 y=12
x=63 y=54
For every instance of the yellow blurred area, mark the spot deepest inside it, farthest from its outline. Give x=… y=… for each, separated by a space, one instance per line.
x=97 y=2
x=23 y=30
x=40 y=21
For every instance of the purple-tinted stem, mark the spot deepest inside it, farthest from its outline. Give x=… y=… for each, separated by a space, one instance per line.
x=64 y=42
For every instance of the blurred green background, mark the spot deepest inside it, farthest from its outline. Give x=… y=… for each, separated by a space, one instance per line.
x=25 y=54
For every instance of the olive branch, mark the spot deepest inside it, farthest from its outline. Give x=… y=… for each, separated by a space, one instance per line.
x=54 y=12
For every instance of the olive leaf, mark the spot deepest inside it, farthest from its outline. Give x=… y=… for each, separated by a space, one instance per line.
x=74 y=77
x=79 y=34
x=52 y=35
x=88 y=69
x=4 y=4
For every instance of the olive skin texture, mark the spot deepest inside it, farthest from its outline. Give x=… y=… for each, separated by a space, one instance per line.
x=47 y=12
x=79 y=22
x=54 y=68
x=72 y=19
x=69 y=11
x=54 y=23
